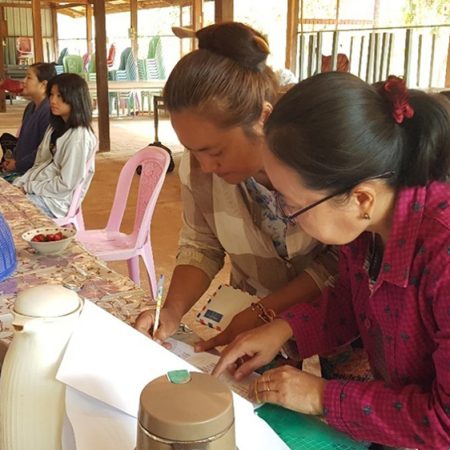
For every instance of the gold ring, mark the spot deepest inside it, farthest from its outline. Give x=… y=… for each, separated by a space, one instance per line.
x=256 y=394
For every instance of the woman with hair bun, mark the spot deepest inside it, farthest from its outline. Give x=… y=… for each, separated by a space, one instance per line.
x=219 y=97
x=365 y=167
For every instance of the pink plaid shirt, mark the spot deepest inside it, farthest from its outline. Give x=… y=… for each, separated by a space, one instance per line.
x=404 y=322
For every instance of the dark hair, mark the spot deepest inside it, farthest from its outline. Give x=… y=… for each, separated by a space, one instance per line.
x=336 y=130
x=74 y=91
x=226 y=79
x=43 y=71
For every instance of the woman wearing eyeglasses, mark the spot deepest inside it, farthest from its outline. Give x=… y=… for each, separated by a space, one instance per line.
x=219 y=97
x=366 y=168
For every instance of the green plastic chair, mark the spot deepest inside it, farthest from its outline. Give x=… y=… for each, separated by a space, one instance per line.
x=74 y=64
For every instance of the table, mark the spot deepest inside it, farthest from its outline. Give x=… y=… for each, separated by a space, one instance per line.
x=146 y=88
x=114 y=292
x=126 y=86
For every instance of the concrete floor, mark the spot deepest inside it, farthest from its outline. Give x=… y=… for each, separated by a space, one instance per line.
x=127 y=136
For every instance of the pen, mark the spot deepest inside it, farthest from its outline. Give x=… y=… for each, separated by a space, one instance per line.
x=159 y=296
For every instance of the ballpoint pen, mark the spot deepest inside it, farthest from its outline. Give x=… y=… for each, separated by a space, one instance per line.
x=159 y=296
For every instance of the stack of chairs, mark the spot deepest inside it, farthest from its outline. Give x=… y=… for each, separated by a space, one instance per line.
x=127 y=71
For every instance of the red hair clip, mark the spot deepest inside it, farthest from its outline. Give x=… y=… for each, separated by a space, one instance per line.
x=396 y=92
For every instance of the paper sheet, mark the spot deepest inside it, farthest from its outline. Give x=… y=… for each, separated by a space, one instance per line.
x=111 y=362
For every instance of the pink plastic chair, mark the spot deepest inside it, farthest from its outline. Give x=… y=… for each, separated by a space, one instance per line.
x=109 y=243
x=75 y=214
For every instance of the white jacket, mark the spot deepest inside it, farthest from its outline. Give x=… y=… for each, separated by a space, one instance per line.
x=55 y=177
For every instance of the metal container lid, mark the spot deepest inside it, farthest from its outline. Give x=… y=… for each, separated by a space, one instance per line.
x=190 y=409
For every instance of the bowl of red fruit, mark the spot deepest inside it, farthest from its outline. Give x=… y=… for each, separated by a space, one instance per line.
x=49 y=240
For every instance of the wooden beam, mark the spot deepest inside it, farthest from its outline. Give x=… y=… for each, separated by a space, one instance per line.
x=3 y=36
x=134 y=27
x=16 y=5
x=89 y=14
x=196 y=19
x=447 y=71
x=37 y=31
x=55 y=38
x=293 y=9
x=223 y=11
x=307 y=21
x=102 y=76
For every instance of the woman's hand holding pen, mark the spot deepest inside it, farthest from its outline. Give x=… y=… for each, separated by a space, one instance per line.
x=252 y=349
x=169 y=321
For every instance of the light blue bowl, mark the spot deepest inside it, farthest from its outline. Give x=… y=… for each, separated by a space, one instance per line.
x=8 y=259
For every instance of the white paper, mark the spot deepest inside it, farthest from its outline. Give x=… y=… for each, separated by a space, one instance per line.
x=112 y=362
x=99 y=426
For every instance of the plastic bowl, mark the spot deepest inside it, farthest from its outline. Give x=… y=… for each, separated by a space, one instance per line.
x=50 y=247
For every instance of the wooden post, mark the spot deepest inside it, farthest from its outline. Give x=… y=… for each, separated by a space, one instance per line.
x=292 y=35
x=223 y=11
x=55 y=38
x=37 y=31
x=408 y=55
x=196 y=19
x=3 y=35
x=447 y=72
x=134 y=27
x=89 y=29
x=102 y=76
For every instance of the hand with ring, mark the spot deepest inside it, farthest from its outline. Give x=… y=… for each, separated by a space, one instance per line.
x=252 y=349
x=291 y=388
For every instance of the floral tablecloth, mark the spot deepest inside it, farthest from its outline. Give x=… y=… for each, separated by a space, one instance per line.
x=75 y=267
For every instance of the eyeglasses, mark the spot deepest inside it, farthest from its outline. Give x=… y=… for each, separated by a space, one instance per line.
x=289 y=217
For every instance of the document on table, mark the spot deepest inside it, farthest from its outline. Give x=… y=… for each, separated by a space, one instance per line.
x=206 y=362
x=108 y=363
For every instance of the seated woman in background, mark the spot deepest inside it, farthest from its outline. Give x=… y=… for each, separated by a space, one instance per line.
x=67 y=145
x=219 y=97
x=19 y=152
x=365 y=167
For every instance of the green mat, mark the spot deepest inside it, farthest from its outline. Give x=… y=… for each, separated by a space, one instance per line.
x=301 y=432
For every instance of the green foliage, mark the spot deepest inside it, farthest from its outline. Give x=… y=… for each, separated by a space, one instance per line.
x=426 y=12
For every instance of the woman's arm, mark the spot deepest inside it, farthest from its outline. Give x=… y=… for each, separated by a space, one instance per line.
x=304 y=288
x=73 y=150
x=199 y=259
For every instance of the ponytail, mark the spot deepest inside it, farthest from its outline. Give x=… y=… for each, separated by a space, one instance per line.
x=426 y=155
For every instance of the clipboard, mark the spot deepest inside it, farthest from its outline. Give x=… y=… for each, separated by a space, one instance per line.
x=223 y=305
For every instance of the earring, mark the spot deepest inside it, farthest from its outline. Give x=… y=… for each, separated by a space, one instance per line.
x=366 y=216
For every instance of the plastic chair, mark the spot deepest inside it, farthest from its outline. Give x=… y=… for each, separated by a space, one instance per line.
x=75 y=214
x=24 y=46
x=112 y=245
x=127 y=71
x=59 y=67
x=111 y=56
x=74 y=64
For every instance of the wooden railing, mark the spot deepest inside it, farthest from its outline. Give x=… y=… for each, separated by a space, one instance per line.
x=420 y=54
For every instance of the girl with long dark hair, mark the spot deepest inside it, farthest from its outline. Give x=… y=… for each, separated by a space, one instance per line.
x=67 y=146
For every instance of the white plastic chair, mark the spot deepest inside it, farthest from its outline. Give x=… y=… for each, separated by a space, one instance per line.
x=110 y=244
x=75 y=214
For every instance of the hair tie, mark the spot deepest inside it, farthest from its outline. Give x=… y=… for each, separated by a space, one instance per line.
x=396 y=92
